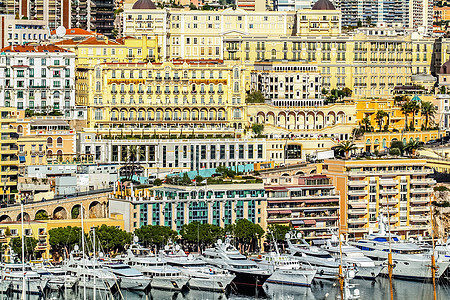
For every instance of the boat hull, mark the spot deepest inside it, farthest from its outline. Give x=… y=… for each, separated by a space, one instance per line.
x=415 y=270
x=292 y=277
x=248 y=283
x=139 y=284
x=213 y=283
x=169 y=283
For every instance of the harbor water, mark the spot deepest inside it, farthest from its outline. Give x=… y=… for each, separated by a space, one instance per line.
x=378 y=289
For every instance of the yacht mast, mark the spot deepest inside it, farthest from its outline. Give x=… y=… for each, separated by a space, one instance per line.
x=341 y=274
x=94 y=262
x=433 y=261
x=390 y=264
x=82 y=251
x=23 y=251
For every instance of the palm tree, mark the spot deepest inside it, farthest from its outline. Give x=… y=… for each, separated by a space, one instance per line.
x=414 y=108
x=379 y=116
x=346 y=146
x=413 y=146
x=428 y=110
x=369 y=20
x=366 y=123
x=406 y=109
x=134 y=152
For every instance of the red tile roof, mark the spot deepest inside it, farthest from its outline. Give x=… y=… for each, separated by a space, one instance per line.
x=31 y=48
x=94 y=40
x=76 y=31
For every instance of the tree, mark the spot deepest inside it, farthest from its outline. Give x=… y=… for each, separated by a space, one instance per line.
x=157 y=182
x=112 y=239
x=155 y=235
x=399 y=145
x=379 y=116
x=198 y=179
x=42 y=215
x=414 y=109
x=246 y=233
x=346 y=147
x=203 y=234
x=255 y=97
x=347 y=92
x=412 y=146
x=365 y=122
x=428 y=110
x=134 y=152
x=63 y=239
x=257 y=128
x=192 y=6
x=369 y=20
x=30 y=246
x=278 y=232
x=395 y=152
x=406 y=110
x=359 y=23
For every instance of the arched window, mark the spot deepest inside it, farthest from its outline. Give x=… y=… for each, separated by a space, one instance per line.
x=122 y=88
x=59 y=153
x=113 y=88
x=122 y=115
x=274 y=54
x=211 y=88
x=236 y=73
x=131 y=88
x=56 y=94
x=193 y=87
x=59 y=141
x=202 y=88
x=236 y=87
x=220 y=87
x=122 y=100
x=97 y=86
x=49 y=142
x=20 y=129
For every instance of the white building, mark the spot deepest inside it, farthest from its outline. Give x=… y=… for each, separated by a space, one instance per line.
x=39 y=78
x=288 y=84
x=18 y=31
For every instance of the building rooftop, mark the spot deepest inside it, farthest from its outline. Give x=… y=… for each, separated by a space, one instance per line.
x=33 y=48
x=76 y=31
x=323 y=5
x=144 y=4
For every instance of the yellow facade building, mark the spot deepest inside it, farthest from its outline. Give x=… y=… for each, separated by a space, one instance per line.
x=178 y=95
x=39 y=230
x=8 y=151
x=369 y=188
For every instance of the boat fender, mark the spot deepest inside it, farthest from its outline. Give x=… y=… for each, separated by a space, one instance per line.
x=321 y=272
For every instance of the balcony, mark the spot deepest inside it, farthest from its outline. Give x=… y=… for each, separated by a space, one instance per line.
x=419 y=208
x=357 y=221
x=420 y=219
x=422 y=191
x=357 y=183
x=387 y=182
x=389 y=192
x=423 y=181
x=357 y=192
x=420 y=200
x=357 y=211
x=392 y=201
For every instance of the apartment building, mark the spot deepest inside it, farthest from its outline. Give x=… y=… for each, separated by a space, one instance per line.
x=309 y=204
x=398 y=188
x=8 y=152
x=40 y=78
x=174 y=206
x=18 y=31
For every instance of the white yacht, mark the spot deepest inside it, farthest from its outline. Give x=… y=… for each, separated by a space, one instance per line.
x=12 y=278
x=326 y=265
x=202 y=276
x=162 y=275
x=129 y=278
x=410 y=261
x=89 y=272
x=58 y=278
x=286 y=270
x=249 y=276
x=352 y=256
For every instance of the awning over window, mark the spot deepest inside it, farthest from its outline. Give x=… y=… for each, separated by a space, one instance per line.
x=22 y=159
x=310 y=222
x=298 y=222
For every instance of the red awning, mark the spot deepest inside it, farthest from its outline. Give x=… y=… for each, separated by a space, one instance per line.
x=364 y=205
x=273 y=211
x=310 y=222
x=285 y=211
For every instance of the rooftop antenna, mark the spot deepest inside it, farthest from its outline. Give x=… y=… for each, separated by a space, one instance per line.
x=61 y=31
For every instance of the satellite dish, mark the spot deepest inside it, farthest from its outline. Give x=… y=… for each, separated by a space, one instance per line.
x=136 y=239
x=166 y=247
x=287 y=236
x=76 y=248
x=219 y=242
x=60 y=31
x=177 y=247
x=299 y=235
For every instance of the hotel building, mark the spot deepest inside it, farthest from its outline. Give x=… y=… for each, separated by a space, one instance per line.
x=174 y=206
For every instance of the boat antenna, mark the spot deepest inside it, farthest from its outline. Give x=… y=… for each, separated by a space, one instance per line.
x=94 y=262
